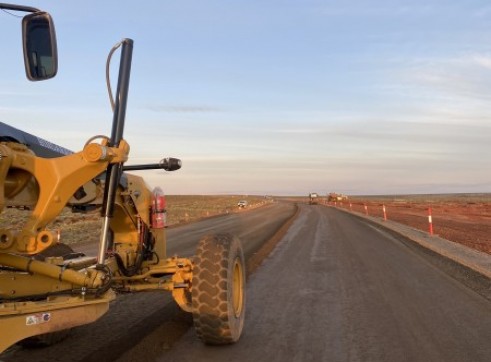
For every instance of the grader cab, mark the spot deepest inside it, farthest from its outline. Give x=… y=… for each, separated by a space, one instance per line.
x=45 y=287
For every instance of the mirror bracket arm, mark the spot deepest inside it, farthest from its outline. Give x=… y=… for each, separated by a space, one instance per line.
x=13 y=7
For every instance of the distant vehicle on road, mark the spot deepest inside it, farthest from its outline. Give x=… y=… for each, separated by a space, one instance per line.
x=242 y=204
x=313 y=198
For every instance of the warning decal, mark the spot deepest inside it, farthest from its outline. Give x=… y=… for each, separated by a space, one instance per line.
x=38 y=318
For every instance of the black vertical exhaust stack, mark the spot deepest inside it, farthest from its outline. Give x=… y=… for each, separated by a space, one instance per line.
x=114 y=171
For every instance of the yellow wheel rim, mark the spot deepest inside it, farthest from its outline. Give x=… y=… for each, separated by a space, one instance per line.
x=238 y=288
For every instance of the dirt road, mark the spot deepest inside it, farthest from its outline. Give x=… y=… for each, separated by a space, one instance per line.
x=132 y=317
x=253 y=227
x=339 y=289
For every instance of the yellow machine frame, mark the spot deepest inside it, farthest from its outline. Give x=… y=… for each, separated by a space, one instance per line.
x=43 y=290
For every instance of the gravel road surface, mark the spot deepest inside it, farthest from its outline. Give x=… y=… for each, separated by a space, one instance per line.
x=132 y=317
x=337 y=288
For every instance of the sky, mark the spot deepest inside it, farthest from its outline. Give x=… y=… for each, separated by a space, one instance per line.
x=273 y=97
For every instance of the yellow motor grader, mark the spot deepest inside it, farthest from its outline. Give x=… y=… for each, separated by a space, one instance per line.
x=45 y=287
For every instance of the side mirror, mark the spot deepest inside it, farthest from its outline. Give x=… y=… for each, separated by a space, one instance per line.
x=39 y=42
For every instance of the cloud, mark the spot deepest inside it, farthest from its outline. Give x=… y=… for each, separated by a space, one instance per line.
x=483 y=60
x=297 y=131
x=182 y=109
x=465 y=77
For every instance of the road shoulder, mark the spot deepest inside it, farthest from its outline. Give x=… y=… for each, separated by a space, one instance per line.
x=469 y=266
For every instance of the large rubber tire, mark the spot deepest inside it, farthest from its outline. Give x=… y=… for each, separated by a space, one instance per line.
x=45 y=340
x=218 y=289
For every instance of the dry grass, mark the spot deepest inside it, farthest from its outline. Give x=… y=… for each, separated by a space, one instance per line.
x=428 y=198
x=183 y=209
x=81 y=228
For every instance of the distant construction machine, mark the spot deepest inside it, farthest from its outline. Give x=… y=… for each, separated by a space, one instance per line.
x=334 y=197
